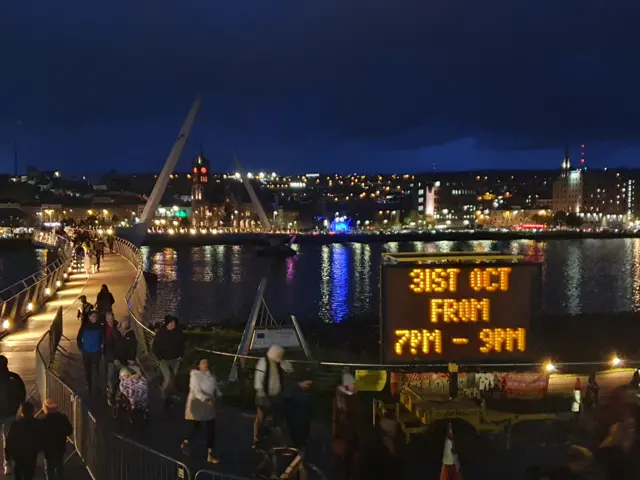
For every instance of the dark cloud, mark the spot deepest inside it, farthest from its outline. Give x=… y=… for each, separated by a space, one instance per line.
x=288 y=76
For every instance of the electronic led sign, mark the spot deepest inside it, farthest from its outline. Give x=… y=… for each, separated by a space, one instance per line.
x=457 y=312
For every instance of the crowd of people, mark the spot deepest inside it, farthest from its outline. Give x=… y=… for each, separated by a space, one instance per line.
x=89 y=249
x=23 y=436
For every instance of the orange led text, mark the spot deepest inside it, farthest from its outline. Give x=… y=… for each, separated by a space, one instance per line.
x=418 y=341
x=434 y=280
x=449 y=310
x=503 y=340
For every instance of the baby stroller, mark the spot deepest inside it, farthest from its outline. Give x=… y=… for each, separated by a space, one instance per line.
x=132 y=399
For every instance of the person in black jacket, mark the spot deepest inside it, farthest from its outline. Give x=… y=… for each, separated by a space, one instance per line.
x=84 y=309
x=24 y=443
x=168 y=347
x=12 y=394
x=127 y=345
x=111 y=341
x=55 y=430
x=104 y=301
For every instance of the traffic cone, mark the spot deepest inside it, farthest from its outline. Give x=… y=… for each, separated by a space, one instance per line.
x=450 y=464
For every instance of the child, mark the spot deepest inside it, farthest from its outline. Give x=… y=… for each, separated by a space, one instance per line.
x=134 y=387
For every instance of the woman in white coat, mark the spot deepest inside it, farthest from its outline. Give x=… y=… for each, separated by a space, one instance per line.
x=201 y=407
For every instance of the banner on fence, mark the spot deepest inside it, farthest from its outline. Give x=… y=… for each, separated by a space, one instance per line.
x=498 y=384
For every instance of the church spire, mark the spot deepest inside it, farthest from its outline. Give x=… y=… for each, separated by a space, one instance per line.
x=566 y=162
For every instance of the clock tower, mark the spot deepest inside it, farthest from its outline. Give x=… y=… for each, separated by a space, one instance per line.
x=200 y=175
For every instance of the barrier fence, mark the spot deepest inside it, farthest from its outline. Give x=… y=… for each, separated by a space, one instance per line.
x=23 y=298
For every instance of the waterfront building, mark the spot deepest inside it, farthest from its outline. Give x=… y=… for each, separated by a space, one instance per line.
x=608 y=197
x=567 y=189
x=200 y=175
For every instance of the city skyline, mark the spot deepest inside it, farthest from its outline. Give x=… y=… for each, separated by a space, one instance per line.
x=347 y=86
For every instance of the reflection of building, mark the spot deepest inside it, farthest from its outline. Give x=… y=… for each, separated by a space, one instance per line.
x=567 y=189
x=200 y=179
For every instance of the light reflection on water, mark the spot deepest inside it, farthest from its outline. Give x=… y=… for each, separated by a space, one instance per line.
x=330 y=282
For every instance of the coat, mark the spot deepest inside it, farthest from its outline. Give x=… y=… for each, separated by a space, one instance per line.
x=55 y=430
x=24 y=440
x=203 y=387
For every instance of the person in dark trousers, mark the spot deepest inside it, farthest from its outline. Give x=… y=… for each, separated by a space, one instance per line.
x=55 y=428
x=379 y=458
x=347 y=420
x=12 y=394
x=24 y=442
x=104 y=301
x=127 y=344
x=84 y=309
x=294 y=403
x=168 y=347
x=110 y=243
x=111 y=340
x=91 y=344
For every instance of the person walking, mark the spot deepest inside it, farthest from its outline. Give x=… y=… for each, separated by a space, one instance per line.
x=12 y=394
x=55 y=430
x=127 y=344
x=24 y=442
x=104 y=300
x=268 y=383
x=84 y=309
x=110 y=243
x=201 y=407
x=111 y=340
x=592 y=395
x=95 y=263
x=346 y=425
x=168 y=347
x=91 y=343
x=87 y=261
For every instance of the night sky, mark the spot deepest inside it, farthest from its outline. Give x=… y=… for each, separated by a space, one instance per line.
x=332 y=85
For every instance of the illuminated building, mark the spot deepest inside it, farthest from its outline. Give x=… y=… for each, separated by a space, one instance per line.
x=200 y=175
x=567 y=189
x=427 y=198
x=609 y=197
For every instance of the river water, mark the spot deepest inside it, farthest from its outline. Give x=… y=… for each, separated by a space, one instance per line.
x=330 y=282
x=16 y=264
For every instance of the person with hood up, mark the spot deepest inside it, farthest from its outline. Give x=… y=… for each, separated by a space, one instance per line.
x=268 y=383
x=104 y=301
x=84 y=309
x=111 y=341
x=55 y=430
x=24 y=442
x=201 y=407
x=91 y=343
x=135 y=389
x=346 y=424
x=12 y=394
x=168 y=347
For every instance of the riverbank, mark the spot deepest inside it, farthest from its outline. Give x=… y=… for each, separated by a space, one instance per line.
x=176 y=240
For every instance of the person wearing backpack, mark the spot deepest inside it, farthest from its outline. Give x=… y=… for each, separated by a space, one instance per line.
x=12 y=394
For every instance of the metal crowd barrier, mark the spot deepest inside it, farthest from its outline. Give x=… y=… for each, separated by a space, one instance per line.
x=25 y=297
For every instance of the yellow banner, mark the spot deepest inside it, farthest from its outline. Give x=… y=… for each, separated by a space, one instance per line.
x=371 y=380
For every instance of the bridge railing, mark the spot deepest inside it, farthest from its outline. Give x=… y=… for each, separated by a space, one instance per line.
x=25 y=297
x=138 y=303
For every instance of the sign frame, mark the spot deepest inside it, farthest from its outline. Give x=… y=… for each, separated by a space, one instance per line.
x=451 y=260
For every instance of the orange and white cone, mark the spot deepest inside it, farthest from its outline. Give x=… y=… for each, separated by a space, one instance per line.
x=450 y=464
